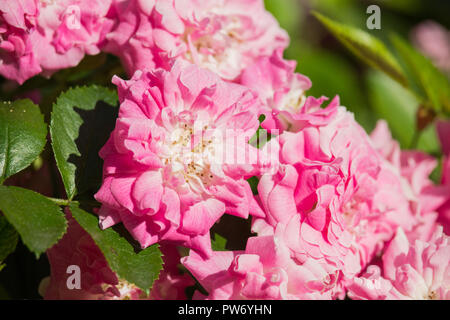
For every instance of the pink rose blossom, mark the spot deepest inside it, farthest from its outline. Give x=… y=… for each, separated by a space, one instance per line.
x=131 y=37
x=178 y=157
x=335 y=199
x=411 y=270
x=224 y=36
x=416 y=168
x=384 y=143
x=97 y=280
x=285 y=105
x=70 y=29
x=265 y=270
x=19 y=14
x=17 y=57
x=46 y=36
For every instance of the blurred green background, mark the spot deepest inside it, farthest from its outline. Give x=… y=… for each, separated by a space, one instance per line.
x=369 y=94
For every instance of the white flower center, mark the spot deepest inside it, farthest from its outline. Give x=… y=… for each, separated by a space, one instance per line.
x=190 y=155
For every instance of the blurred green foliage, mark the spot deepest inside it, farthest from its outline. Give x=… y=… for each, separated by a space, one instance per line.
x=390 y=101
x=334 y=70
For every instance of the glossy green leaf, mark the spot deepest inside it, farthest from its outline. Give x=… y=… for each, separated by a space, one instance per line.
x=365 y=46
x=124 y=256
x=82 y=120
x=38 y=220
x=22 y=136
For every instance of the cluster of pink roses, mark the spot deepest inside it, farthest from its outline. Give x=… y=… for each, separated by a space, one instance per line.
x=225 y=36
x=338 y=212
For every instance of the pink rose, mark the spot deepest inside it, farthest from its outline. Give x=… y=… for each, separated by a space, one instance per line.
x=335 y=199
x=282 y=93
x=265 y=270
x=17 y=57
x=223 y=36
x=411 y=270
x=179 y=156
x=46 y=36
x=414 y=168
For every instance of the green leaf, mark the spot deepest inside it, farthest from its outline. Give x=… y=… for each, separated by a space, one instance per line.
x=433 y=84
x=38 y=220
x=22 y=136
x=82 y=120
x=398 y=107
x=124 y=256
x=8 y=239
x=368 y=48
x=219 y=243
